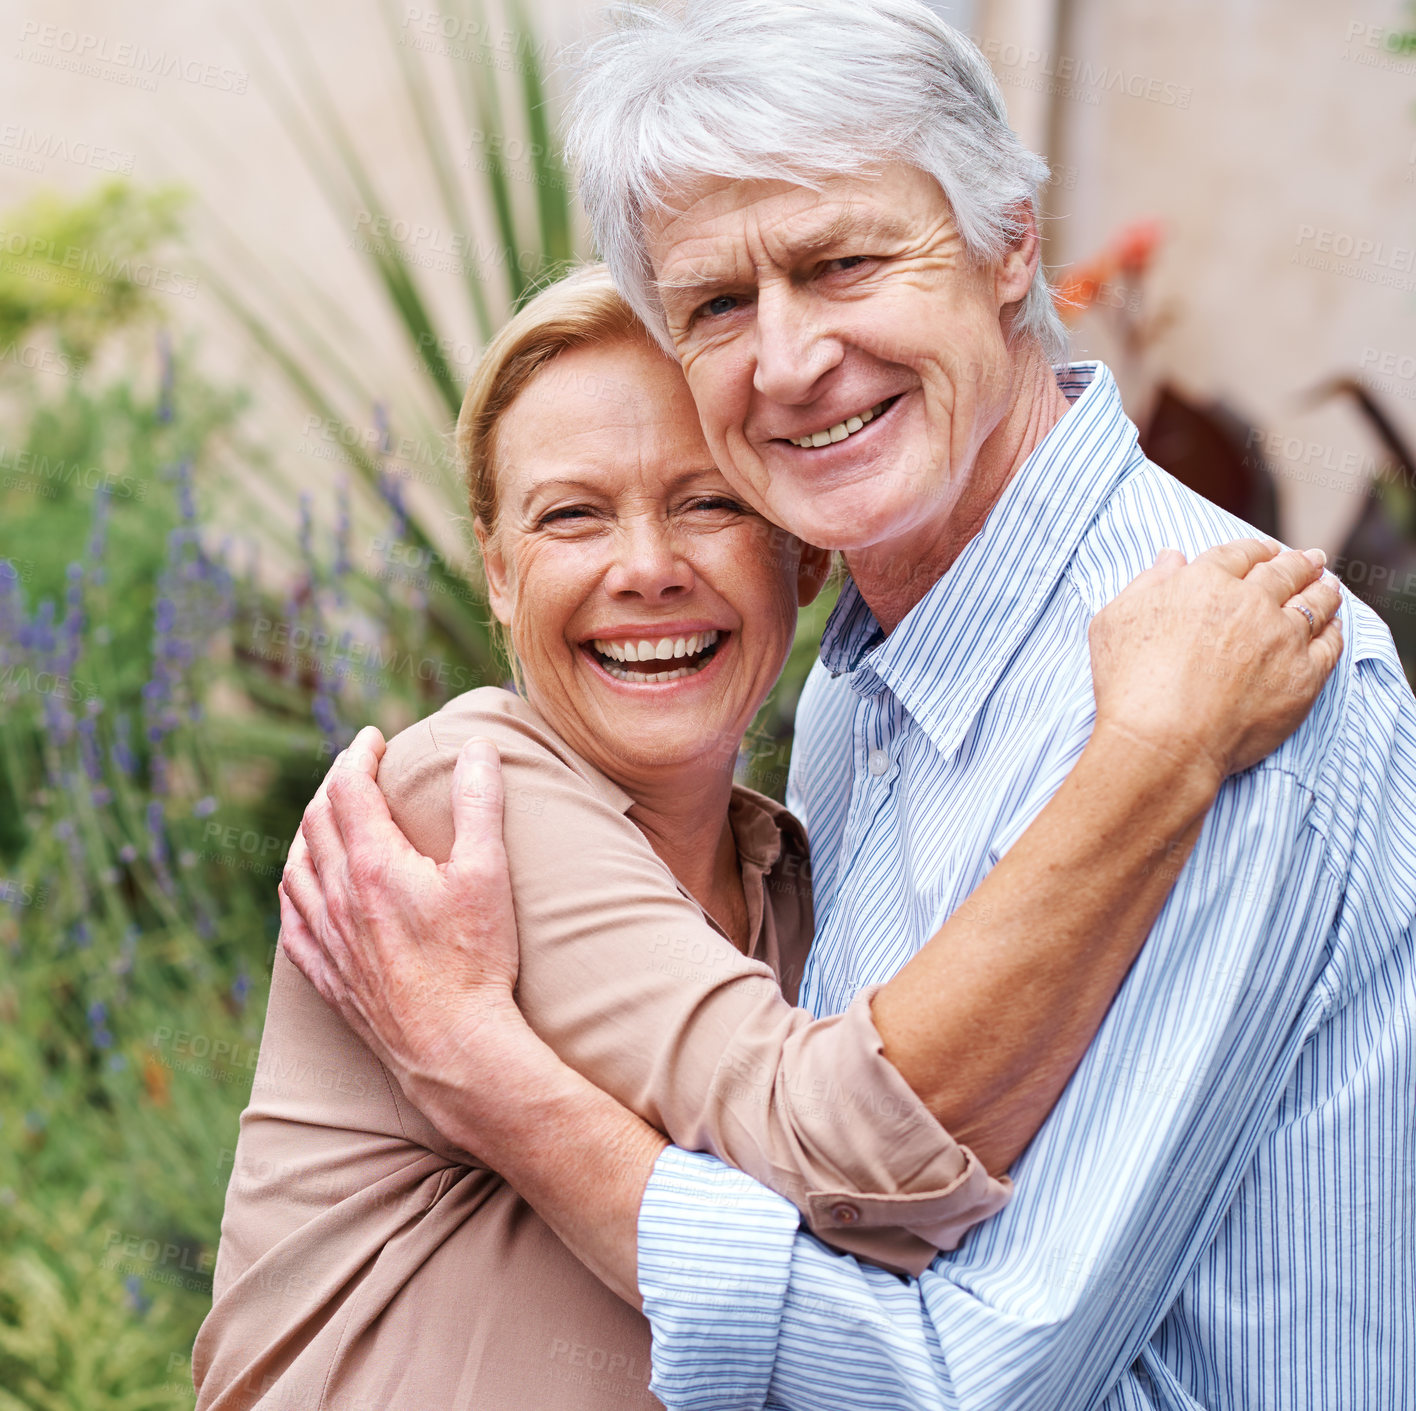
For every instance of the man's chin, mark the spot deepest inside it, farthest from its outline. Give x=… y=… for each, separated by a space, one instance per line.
x=847 y=524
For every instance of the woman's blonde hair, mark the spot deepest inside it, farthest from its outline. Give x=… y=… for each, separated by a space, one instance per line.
x=583 y=308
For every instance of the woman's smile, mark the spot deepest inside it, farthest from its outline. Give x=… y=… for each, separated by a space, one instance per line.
x=656 y=656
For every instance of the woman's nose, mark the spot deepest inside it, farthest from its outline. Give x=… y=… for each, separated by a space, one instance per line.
x=649 y=563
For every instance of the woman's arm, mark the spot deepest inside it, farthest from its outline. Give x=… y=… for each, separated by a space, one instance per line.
x=602 y=982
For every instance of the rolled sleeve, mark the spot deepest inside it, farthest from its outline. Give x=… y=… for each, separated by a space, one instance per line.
x=626 y=979
x=713 y=1290
x=915 y=1190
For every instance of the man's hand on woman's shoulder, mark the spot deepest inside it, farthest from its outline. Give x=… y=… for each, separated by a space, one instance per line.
x=419 y=957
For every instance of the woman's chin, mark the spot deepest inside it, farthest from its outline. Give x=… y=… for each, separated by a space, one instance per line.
x=667 y=731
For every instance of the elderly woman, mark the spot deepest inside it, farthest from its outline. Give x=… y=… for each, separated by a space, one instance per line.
x=368 y=1259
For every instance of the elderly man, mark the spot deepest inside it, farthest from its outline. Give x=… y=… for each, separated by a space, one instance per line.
x=823 y=211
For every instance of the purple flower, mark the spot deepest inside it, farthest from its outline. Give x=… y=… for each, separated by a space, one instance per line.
x=342 y=530
x=12 y=608
x=38 y=635
x=137 y=1301
x=165 y=376
x=327 y=718
x=122 y=750
x=186 y=502
x=89 y=751
x=98 y=1025
x=157 y=836
x=391 y=489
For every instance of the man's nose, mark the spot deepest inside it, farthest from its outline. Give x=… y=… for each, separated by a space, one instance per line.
x=794 y=349
x=649 y=563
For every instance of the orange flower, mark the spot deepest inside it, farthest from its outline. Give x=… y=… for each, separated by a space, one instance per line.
x=1136 y=243
x=157 y=1079
x=1076 y=291
x=1125 y=259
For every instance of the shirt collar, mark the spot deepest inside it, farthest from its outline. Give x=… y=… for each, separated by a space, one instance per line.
x=947 y=654
x=762 y=828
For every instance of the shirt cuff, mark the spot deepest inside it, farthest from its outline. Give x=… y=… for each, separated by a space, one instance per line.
x=715 y=1258
x=914 y=1190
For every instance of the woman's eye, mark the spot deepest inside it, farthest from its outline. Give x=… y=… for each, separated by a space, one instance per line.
x=717 y=502
x=716 y=307
x=564 y=515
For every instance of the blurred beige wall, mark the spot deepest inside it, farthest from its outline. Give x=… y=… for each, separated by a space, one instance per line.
x=1275 y=139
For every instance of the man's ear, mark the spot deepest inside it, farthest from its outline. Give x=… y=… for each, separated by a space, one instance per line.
x=1019 y=264
x=498 y=579
x=812 y=573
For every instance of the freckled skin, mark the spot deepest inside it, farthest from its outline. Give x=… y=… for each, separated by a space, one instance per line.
x=792 y=309
x=649 y=531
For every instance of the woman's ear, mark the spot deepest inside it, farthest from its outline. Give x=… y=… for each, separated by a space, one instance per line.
x=498 y=579
x=812 y=573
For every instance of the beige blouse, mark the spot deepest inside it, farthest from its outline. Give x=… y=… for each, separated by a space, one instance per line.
x=367 y=1264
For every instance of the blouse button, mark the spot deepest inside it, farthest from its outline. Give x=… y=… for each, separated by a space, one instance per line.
x=845 y=1214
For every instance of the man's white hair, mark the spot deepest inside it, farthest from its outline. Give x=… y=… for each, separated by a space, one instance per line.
x=794 y=90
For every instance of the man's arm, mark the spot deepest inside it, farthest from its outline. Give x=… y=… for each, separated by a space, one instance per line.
x=987 y=1023
x=1117 y=1198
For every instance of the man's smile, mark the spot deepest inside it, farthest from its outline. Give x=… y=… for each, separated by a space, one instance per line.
x=842 y=430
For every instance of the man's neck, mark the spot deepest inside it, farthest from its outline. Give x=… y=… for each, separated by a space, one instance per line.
x=894 y=577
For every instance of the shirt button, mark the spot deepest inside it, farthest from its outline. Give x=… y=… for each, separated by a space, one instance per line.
x=845 y=1214
x=877 y=762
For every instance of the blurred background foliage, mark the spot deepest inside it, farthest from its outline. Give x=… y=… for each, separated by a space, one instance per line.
x=178 y=666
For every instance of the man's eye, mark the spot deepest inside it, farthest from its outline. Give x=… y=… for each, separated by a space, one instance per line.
x=845 y=262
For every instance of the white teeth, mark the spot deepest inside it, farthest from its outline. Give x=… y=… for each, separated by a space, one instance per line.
x=665 y=649
x=651 y=677
x=841 y=430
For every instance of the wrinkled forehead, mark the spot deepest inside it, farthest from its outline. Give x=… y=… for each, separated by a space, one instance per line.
x=718 y=229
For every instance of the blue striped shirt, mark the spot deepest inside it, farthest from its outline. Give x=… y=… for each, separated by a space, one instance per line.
x=1221 y=1210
